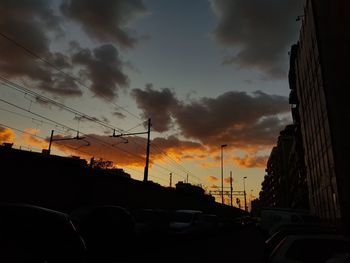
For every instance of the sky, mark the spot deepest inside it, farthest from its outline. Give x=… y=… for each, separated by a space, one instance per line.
x=207 y=73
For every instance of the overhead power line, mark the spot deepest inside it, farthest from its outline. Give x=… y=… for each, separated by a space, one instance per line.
x=34 y=94
x=35 y=55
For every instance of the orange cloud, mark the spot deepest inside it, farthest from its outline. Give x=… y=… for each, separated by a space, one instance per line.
x=227 y=180
x=6 y=135
x=133 y=153
x=212 y=178
x=29 y=138
x=251 y=161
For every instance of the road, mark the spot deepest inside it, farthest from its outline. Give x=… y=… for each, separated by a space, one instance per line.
x=238 y=245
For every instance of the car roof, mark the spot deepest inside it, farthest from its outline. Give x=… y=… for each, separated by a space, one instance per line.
x=29 y=209
x=188 y=211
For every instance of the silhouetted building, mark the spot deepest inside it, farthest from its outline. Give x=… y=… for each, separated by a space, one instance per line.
x=321 y=87
x=275 y=187
x=298 y=189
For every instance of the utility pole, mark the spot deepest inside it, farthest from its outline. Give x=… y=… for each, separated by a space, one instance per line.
x=187 y=178
x=222 y=173
x=245 y=194
x=52 y=139
x=171 y=178
x=145 y=176
x=231 y=187
x=148 y=132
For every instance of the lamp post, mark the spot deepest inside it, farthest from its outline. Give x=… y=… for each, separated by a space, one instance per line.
x=222 y=172
x=245 y=195
x=251 y=199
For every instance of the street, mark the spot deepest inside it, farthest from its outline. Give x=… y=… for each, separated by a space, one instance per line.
x=238 y=245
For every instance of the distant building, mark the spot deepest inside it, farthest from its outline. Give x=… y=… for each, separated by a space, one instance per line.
x=276 y=185
x=189 y=188
x=320 y=86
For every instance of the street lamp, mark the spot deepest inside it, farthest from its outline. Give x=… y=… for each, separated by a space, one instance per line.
x=222 y=172
x=245 y=195
x=251 y=199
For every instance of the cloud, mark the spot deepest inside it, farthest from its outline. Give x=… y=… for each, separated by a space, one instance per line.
x=103 y=67
x=122 y=154
x=242 y=120
x=28 y=137
x=156 y=104
x=105 y=20
x=119 y=114
x=252 y=161
x=212 y=178
x=227 y=180
x=261 y=32
x=29 y=23
x=6 y=135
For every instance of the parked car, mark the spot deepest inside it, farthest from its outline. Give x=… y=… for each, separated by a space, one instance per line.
x=183 y=222
x=107 y=230
x=207 y=224
x=151 y=222
x=292 y=229
x=327 y=248
x=35 y=234
x=273 y=218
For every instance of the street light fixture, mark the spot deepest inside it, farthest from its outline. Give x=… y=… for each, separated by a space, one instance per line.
x=222 y=172
x=245 y=195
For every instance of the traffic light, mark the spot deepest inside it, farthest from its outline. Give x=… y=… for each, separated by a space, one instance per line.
x=238 y=201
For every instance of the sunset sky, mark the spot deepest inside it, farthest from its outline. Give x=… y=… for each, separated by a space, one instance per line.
x=207 y=72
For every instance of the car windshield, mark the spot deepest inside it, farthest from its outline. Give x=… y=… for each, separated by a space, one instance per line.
x=183 y=217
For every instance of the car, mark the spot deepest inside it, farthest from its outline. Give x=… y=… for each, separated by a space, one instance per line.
x=108 y=230
x=30 y=233
x=273 y=218
x=183 y=222
x=313 y=248
x=291 y=229
x=151 y=222
x=207 y=223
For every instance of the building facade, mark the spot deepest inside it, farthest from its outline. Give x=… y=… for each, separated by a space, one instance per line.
x=319 y=80
x=284 y=184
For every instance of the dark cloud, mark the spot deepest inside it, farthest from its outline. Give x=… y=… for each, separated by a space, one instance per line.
x=157 y=105
x=103 y=67
x=172 y=142
x=243 y=120
x=29 y=24
x=261 y=31
x=119 y=115
x=252 y=161
x=105 y=20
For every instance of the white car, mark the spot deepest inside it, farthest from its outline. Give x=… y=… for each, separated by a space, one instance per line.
x=325 y=248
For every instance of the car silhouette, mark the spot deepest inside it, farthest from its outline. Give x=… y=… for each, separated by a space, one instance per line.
x=31 y=233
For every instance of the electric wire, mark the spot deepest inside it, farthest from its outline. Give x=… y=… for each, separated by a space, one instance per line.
x=33 y=54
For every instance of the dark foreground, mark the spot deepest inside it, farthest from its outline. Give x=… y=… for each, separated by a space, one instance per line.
x=238 y=245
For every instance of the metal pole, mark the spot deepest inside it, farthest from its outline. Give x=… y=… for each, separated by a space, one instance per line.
x=171 y=178
x=145 y=176
x=231 y=187
x=222 y=177
x=245 y=195
x=222 y=173
x=49 y=150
